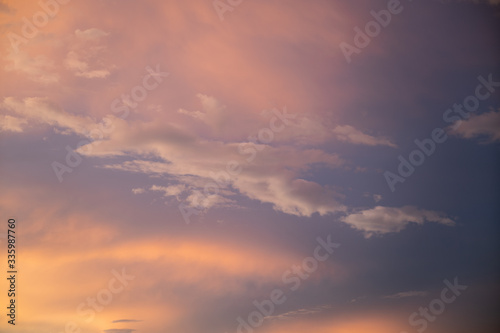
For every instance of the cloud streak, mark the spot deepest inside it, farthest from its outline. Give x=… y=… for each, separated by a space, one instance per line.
x=486 y=125
x=382 y=220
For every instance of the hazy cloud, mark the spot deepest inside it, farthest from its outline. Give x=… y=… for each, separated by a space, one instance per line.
x=406 y=294
x=126 y=321
x=382 y=220
x=486 y=125
x=11 y=124
x=350 y=134
x=42 y=111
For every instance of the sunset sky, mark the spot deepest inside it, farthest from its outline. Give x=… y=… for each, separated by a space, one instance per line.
x=265 y=166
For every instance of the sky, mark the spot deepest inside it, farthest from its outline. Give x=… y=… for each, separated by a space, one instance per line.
x=250 y=166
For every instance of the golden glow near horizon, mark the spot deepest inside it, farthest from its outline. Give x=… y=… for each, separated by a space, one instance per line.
x=221 y=166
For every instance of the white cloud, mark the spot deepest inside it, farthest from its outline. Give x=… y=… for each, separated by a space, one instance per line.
x=202 y=201
x=194 y=114
x=40 y=110
x=169 y=191
x=486 y=124
x=90 y=34
x=272 y=177
x=39 y=68
x=85 y=57
x=302 y=129
x=382 y=220
x=190 y=193
x=214 y=114
x=275 y=176
x=290 y=195
x=139 y=166
x=138 y=190
x=307 y=130
x=82 y=68
x=11 y=124
x=349 y=134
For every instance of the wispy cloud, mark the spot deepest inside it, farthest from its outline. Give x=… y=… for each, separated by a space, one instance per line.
x=299 y=313
x=90 y=34
x=274 y=176
x=382 y=220
x=126 y=321
x=40 y=110
x=38 y=68
x=406 y=294
x=486 y=125
x=11 y=124
x=85 y=58
x=350 y=134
